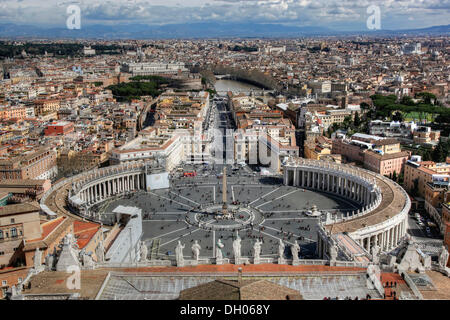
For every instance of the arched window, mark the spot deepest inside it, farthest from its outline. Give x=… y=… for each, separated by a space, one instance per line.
x=13 y=232
x=1 y=234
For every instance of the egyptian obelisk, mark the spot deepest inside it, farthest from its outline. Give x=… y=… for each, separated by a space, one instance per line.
x=224 y=191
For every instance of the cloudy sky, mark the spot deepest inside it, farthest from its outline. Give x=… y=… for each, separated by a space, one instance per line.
x=335 y=14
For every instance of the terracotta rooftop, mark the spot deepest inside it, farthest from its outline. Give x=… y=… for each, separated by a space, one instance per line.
x=50 y=231
x=48 y=227
x=54 y=282
x=84 y=231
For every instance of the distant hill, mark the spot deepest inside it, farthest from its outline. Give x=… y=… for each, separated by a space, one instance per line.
x=194 y=30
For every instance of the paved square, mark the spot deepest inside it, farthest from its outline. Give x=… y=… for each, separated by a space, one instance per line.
x=277 y=212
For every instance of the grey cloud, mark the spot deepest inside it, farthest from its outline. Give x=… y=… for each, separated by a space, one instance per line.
x=295 y=12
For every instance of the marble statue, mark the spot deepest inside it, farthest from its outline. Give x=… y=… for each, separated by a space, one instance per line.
x=237 y=249
x=427 y=262
x=100 y=252
x=257 y=250
x=14 y=291
x=196 y=250
x=219 y=247
x=443 y=257
x=49 y=262
x=71 y=241
x=87 y=260
x=144 y=251
x=333 y=252
x=37 y=259
x=295 y=249
x=281 y=247
x=179 y=254
x=376 y=253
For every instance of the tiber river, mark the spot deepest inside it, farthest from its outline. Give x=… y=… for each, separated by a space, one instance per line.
x=234 y=86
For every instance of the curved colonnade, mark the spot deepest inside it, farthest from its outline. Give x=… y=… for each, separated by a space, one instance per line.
x=97 y=185
x=383 y=219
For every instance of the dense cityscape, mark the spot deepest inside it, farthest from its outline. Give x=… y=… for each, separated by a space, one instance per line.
x=286 y=169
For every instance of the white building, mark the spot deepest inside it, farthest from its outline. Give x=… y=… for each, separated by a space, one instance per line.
x=392 y=129
x=153 y=68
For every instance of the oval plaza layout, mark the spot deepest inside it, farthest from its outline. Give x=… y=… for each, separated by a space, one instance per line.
x=314 y=206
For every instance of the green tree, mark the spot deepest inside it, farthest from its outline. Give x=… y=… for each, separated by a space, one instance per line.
x=364 y=105
x=400 y=178
x=394 y=176
x=357 y=120
x=427 y=97
x=415 y=190
x=398 y=116
x=347 y=121
x=441 y=151
x=426 y=155
x=407 y=100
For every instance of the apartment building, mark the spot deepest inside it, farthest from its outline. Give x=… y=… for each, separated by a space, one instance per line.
x=437 y=192
x=418 y=173
x=154 y=68
x=18 y=222
x=35 y=164
x=45 y=106
x=317 y=147
x=260 y=129
x=392 y=129
x=59 y=128
x=165 y=149
x=446 y=223
x=424 y=135
x=9 y=112
x=25 y=190
x=380 y=155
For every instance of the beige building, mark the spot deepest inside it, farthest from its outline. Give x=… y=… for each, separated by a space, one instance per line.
x=418 y=173
x=43 y=107
x=317 y=147
x=422 y=135
x=149 y=146
x=36 y=164
x=25 y=190
x=18 y=223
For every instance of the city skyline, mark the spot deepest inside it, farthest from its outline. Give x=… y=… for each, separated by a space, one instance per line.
x=336 y=15
x=224 y=150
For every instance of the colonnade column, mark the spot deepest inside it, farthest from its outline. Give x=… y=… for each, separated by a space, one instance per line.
x=396 y=235
x=303 y=179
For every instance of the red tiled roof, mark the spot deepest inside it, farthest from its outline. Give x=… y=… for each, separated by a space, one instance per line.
x=84 y=232
x=48 y=227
